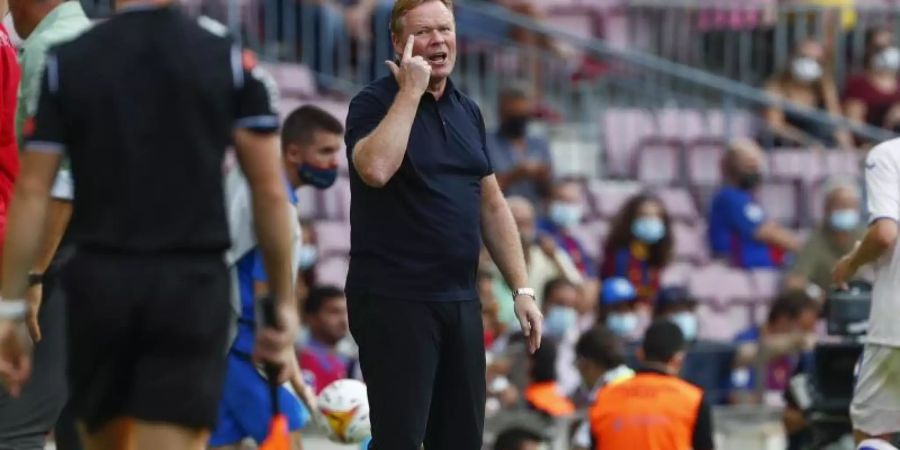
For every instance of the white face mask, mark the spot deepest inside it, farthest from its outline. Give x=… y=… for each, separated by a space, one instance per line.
x=622 y=324
x=805 y=69
x=687 y=321
x=887 y=60
x=308 y=256
x=565 y=215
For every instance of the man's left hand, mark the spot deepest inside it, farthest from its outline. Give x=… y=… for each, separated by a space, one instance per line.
x=15 y=355
x=531 y=320
x=844 y=270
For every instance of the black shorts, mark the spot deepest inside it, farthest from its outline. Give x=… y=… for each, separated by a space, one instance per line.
x=148 y=337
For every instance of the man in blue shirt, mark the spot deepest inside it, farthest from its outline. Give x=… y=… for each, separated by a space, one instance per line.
x=424 y=194
x=739 y=230
x=311 y=140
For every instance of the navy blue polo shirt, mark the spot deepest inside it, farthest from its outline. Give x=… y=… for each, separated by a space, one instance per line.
x=419 y=236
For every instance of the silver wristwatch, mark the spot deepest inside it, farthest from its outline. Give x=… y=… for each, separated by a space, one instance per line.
x=524 y=291
x=13 y=310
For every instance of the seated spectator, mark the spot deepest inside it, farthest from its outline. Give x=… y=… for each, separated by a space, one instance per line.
x=600 y=359
x=654 y=409
x=639 y=245
x=564 y=213
x=490 y=309
x=805 y=83
x=739 y=230
x=707 y=364
x=561 y=323
x=870 y=95
x=325 y=315
x=543 y=394
x=518 y=439
x=618 y=308
x=775 y=347
x=835 y=237
x=521 y=162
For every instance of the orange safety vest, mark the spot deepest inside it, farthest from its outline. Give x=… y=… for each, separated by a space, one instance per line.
x=650 y=411
x=545 y=397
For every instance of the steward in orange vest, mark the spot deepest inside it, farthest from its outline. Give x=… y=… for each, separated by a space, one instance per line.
x=654 y=410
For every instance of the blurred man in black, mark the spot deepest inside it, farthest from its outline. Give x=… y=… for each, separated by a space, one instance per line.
x=145 y=124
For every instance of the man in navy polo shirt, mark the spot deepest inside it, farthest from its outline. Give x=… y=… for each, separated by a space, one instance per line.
x=423 y=192
x=739 y=229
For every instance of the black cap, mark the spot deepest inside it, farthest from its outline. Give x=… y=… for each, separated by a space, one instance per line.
x=673 y=295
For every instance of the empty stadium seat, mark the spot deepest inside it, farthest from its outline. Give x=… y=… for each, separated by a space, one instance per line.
x=779 y=200
x=720 y=285
x=677 y=274
x=658 y=163
x=703 y=164
x=690 y=243
x=332 y=238
x=794 y=164
x=623 y=129
x=722 y=323
x=683 y=124
x=332 y=271
x=843 y=162
x=766 y=284
x=679 y=203
x=608 y=197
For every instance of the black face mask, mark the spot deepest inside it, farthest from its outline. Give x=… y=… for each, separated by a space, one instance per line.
x=515 y=127
x=748 y=181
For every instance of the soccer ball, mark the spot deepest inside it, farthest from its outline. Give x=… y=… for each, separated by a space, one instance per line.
x=875 y=444
x=344 y=409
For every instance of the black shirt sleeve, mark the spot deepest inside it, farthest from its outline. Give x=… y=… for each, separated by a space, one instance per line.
x=45 y=132
x=256 y=93
x=703 y=427
x=484 y=148
x=366 y=111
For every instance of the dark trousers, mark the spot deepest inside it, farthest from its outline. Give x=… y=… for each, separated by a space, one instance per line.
x=423 y=363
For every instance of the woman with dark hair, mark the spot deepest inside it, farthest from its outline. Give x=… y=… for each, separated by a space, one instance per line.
x=639 y=245
x=870 y=95
x=807 y=83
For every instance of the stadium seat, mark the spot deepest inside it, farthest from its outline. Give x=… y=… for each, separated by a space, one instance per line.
x=679 y=204
x=779 y=200
x=332 y=238
x=658 y=163
x=682 y=124
x=624 y=129
x=703 y=164
x=335 y=201
x=332 y=271
x=843 y=162
x=721 y=285
x=794 y=164
x=307 y=204
x=722 y=323
x=690 y=244
x=608 y=197
x=677 y=274
x=766 y=283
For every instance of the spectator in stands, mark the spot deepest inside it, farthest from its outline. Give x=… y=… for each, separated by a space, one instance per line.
x=618 y=308
x=522 y=162
x=840 y=230
x=490 y=308
x=654 y=409
x=739 y=230
x=639 y=245
x=806 y=83
x=707 y=363
x=544 y=258
x=869 y=96
x=561 y=322
x=777 y=345
x=543 y=393
x=518 y=439
x=600 y=359
x=325 y=314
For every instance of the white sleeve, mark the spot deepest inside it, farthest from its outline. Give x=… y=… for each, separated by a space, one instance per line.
x=883 y=184
x=582 y=436
x=62 y=186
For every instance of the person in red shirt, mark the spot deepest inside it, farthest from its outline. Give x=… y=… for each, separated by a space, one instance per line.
x=871 y=95
x=9 y=151
x=325 y=313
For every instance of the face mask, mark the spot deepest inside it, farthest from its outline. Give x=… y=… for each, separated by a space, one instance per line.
x=649 y=229
x=623 y=324
x=687 y=321
x=750 y=180
x=308 y=256
x=805 y=70
x=887 y=60
x=559 y=320
x=317 y=177
x=565 y=215
x=844 y=219
x=515 y=127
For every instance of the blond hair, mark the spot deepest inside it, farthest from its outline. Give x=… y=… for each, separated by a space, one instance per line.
x=401 y=7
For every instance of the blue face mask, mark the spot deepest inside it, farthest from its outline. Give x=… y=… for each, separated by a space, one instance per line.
x=317 y=177
x=559 y=320
x=844 y=219
x=687 y=321
x=565 y=215
x=649 y=229
x=308 y=256
x=622 y=324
